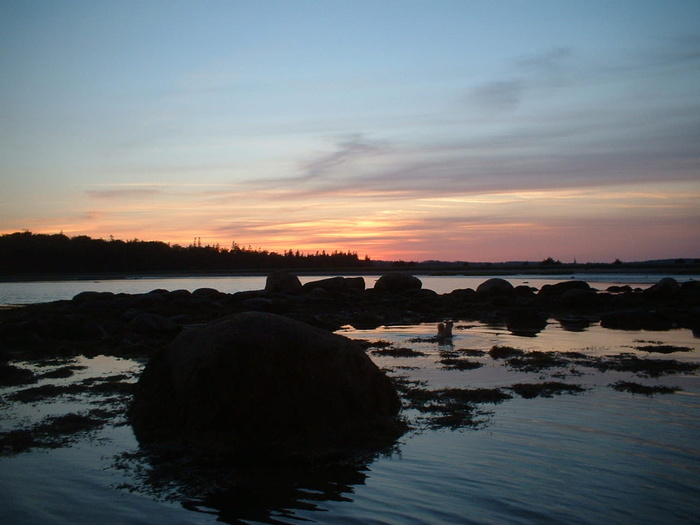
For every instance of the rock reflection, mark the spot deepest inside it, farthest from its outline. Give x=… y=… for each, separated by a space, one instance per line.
x=273 y=495
x=574 y=324
x=240 y=492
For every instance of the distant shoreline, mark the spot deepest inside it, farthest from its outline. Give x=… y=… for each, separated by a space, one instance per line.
x=485 y=270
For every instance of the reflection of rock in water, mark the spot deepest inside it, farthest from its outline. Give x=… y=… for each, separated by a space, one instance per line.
x=269 y=495
x=244 y=491
x=574 y=323
x=526 y=322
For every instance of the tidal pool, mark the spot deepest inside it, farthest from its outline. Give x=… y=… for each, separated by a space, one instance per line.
x=480 y=449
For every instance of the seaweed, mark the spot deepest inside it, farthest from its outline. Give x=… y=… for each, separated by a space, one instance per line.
x=471 y=352
x=109 y=385
x=11 y=375
x=453 y=363
x=452 y=408
x=53 y=431
x=636 y=388
x=546 y=389
x=642 y=367
x=663 y=349
x=536 y=361
x=398 y=352
x=366 y=344
x=62 y=372
x=43 y=392
x=504 y=352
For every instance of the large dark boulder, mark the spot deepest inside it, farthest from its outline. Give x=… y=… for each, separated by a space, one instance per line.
x=561 y=288
x=494 y=286
x=578 y=299
x=398 y=282
x=283 y=282
x=263 y=382
x=336 y=284
x=147 y=323
x=666 y=288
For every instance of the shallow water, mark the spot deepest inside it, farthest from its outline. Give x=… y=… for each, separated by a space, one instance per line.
x=602 y=456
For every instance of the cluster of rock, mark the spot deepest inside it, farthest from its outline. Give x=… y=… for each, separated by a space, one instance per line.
x=137 y=324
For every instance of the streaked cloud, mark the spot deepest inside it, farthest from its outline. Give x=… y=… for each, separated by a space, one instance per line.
x=126 y=193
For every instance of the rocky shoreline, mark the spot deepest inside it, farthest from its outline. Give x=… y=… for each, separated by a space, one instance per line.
x=135 y=325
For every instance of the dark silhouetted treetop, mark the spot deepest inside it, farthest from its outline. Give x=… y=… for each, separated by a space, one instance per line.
x=26 y=253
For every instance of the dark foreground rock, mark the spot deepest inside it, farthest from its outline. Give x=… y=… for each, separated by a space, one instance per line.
x=262 y=382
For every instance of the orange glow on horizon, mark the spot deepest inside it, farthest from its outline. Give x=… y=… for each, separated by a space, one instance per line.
x=525 y=225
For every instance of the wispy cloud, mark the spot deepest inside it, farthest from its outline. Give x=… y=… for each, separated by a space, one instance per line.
x=499 y=94
x=347 y=150
x=549 y=63
x=123 y=193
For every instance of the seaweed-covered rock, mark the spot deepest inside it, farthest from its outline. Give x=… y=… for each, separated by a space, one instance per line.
x=256 y=381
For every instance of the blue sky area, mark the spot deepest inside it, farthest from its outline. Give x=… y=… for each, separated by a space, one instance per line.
x=454 y=130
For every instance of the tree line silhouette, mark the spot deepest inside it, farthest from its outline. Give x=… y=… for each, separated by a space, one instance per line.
x=24 y=253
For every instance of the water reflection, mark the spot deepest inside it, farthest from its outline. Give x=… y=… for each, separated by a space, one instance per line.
x=259 y=491
x=574 y=324
x=273 y=496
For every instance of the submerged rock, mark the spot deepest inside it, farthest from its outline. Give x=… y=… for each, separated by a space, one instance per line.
x=259 y=381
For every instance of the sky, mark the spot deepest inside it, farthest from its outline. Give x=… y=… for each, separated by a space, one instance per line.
x=402 y=130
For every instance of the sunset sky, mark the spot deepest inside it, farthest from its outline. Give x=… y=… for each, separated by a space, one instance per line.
x=435 y=129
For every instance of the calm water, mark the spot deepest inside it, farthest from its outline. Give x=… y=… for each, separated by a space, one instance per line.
x=602 y=456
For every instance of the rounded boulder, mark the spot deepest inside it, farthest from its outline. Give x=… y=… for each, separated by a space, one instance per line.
x=494 y=286
x=398 y=282
x=259 y=380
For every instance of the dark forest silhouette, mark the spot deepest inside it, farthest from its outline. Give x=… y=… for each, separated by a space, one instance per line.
x=25 y=253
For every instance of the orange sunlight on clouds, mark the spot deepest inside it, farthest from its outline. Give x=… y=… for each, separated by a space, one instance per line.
x=560 y=223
